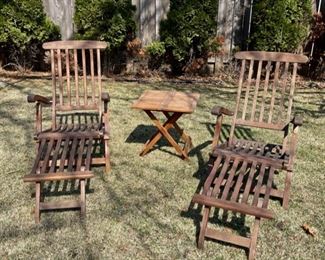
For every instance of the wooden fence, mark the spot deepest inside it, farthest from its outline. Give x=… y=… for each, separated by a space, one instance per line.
x=149 y=15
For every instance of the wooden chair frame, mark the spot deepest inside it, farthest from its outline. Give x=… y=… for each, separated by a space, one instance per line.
x=85 y=99
x=235 y=163
x=61 y=157
x=61 y=152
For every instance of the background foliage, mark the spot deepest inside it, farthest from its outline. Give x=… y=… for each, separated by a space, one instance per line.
x=186 y=31
x=156 y=51
x=106 y=20
x=23 y=28
x=280 y=25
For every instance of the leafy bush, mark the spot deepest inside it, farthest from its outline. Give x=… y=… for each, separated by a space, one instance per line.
x=23 y=28
x=156 y=48
x=106 y=20
x=156 y=51
x=280 y=25
x=186 y=31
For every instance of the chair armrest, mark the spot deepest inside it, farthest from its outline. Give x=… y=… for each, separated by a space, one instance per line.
x=31 y=98
x=105 y=97
x=297 y=120
x=218 y=111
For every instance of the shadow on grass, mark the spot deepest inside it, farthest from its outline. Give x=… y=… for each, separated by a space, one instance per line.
x=142 y=133
x=240 y=132
x=63 y=188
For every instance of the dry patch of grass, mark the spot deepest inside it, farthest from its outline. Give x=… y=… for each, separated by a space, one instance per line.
x=140 y=210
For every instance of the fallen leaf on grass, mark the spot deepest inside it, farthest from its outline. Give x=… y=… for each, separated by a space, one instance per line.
x=309 y=230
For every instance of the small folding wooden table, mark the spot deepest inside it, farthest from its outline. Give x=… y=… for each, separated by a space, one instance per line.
x=173 y=105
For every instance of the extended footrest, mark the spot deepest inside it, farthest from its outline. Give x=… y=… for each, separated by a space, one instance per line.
x=60 y=158
x=239 y=184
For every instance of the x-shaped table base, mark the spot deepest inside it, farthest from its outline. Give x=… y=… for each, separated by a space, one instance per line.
x=163 y=132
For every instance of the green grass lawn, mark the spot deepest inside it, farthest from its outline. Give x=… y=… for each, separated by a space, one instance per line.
x=141 y=209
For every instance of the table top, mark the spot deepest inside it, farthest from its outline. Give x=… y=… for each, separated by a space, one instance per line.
x=169 y=101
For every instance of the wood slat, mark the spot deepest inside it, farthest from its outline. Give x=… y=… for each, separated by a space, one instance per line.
x=292 y=89
x=94 y=161
x=69 y=135
x=259 y=185
x=272 y=126
x=239 y=181
x=80 y=153
x=271 y=56
x=67 y=65
x=249 y=182
x=80 y=44
x=228 y=237
x=212 y=175
x=58 y=52
x=248 y=86
x=168 y=101
x=55 y=157
x=232 y=172
x=82 y=198
x=99 y=78
x=219 y=180
x=66 y=108
x=92 y=74
x=65 y=204
x=241 y=79
x=266 y=86
x=88 y=153
x=72 y=154
x=53 y=89
x=268 y=188
x=257 y=85
x=284 y=86
x=274 y=87
x=58 y=176
x=64 y=154
x=47 y=156
x=250 y=158
x=84 y=73
x=233 y=206
x=36 y=165
x=76 y=76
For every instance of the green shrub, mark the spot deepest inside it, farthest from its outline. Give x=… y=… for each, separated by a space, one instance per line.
x=186 y=31
x=106 y=20
x=156 y=48
x=23 y=28
x=280 y=25
x=155 y=51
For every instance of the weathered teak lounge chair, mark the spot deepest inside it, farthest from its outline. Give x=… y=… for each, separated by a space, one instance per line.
x=242 y=172
x=79 y=132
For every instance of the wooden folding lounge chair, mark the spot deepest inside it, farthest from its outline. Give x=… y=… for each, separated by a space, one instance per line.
x=79 y=119
x=78 y=103
x=242 y=172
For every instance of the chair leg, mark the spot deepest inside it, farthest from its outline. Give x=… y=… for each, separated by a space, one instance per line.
x=82 y=198
x=286 y=193
x=37 y=144
x=252 y=247
x=107 y=157
x=203 y=228
x=37 y=202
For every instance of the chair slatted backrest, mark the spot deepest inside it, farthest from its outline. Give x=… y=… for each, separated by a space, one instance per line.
x=73 y=89
x=266 y=88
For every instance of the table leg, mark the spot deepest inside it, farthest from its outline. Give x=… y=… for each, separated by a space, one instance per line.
x=186 y=138
x=163 y=131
